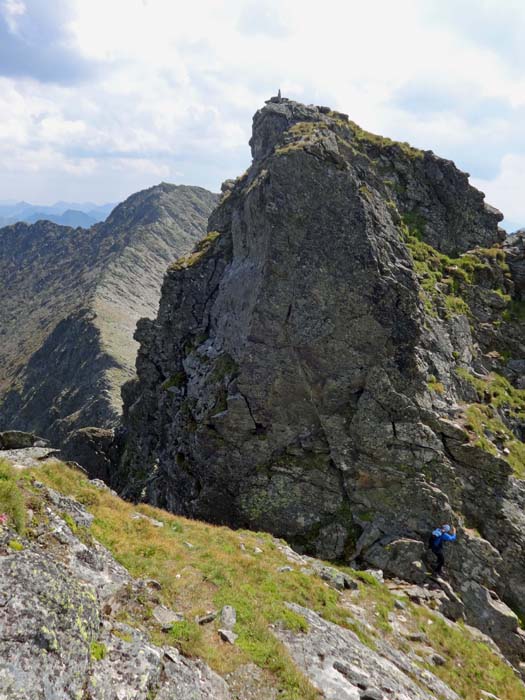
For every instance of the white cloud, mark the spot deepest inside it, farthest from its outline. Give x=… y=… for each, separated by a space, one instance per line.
x=178 y=83
x=12 y=10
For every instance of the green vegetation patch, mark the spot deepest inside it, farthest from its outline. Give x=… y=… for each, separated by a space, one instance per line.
x=353 y=136
x=216 y=571
x=300 y=135
x=435 y=386
x=442 y=278
x=382 y=141
x=496 y=395
x=97 y=651
x=12 y=502
x=470 y=665
x=515 y=311
x=186 y=635
x=177 y=380
x=197 y=254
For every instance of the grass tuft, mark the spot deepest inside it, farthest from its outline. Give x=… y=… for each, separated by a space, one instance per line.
x=98 y=651
x=12 y=501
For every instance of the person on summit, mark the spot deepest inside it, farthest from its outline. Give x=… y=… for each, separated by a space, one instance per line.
x=439 y=536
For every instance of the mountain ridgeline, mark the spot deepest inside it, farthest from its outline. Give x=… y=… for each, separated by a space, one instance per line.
x=340 y=362
x=70 y=300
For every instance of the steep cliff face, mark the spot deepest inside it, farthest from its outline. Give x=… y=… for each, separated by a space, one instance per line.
x=70 y=300
x=322 y=367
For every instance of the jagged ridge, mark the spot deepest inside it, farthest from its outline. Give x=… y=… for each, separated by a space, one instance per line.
x=66 y=355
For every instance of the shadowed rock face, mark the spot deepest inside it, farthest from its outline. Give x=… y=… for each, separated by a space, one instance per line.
x=70 y=300
x=304 y=373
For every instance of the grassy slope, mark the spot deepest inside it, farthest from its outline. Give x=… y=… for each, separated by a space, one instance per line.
x=222 y=567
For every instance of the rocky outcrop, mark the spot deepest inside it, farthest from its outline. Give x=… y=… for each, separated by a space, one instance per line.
x=57 y=639
x=96 y=449
x=17 y=439
x=322 y=368
x=341 y=666
x=70 y=300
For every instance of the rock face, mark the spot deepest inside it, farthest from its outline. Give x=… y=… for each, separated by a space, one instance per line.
x=321 y=368
x=70 y=300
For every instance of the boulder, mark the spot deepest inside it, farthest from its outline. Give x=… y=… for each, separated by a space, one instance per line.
x=93 y=448
x=18 y=440
x=228 y=617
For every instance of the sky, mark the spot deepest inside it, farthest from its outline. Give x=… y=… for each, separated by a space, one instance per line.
x=102 y=98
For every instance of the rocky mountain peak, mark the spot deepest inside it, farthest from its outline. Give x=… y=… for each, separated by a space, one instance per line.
x=422 y=185
x=276 y=117
x=338 y=362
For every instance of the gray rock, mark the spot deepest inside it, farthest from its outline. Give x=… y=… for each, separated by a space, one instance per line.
x=207 y=618
x=71 y=305
x=339 y=665
x=249 y=682
x=335 y=578
x=228 y=617
x=354 y=674
x=29 y=457
x=227 y=636
x=438 y=660
x=371 y=694
x=417 y=637
x=16 y=440
x=94 y=449
x=56 y=640
x=166 y=617
x=489 y=696
x=152 y=521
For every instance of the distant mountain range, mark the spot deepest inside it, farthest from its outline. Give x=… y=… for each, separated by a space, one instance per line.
x=70 y=299
x=74 y=214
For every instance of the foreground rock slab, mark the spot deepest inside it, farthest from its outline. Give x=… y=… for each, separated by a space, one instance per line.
x=344 y=668
x=56 y=640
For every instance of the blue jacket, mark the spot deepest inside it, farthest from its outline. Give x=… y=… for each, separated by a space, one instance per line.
x=439 y=539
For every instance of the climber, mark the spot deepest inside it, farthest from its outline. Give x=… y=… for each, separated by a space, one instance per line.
x=439 y=536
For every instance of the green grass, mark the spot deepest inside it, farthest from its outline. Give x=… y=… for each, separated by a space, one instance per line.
x=515 y=311
x=98 y=651
x=444 y=280
x=470 y=665
x=435 y=386
x=380 y=141
x=217 y=571
x=176 y=380
x=197 y=254
x=186 y=635
x=301 y=134
x=12 y=501
x=494 y=394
